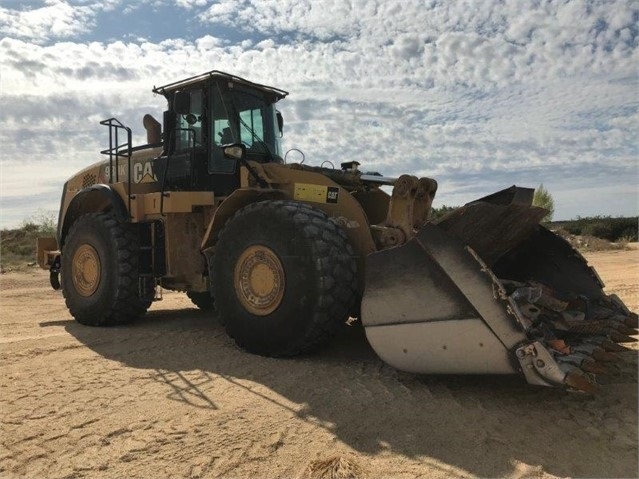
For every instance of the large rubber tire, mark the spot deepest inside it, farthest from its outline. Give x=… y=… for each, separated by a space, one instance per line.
x=202 y=300
x=318 y=280
x=103 y=289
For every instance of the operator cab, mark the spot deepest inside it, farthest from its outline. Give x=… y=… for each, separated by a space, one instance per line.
x=207 y=112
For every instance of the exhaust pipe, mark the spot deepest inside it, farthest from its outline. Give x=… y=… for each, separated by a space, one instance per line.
x=153 y=129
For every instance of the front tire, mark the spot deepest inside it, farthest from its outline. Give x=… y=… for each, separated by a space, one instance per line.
x=100 y=280
x=285 y=277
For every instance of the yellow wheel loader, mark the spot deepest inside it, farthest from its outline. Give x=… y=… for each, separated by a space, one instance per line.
x=288 y=252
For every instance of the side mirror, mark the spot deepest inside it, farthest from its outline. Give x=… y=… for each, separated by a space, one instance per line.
x=182 y=102
x=280 y=122
x=234 y=151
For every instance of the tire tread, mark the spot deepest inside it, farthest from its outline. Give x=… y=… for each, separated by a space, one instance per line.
x=335 y=265
x=126 y=304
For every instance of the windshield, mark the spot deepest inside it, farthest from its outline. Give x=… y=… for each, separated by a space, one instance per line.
x=247 y=118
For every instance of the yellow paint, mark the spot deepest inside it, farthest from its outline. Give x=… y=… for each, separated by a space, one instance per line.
x=176 y=201
x=308 y=192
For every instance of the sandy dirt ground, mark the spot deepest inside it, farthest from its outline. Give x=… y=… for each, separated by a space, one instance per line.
x=172 y=396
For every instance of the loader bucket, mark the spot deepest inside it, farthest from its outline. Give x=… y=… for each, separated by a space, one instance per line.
x=488 y=290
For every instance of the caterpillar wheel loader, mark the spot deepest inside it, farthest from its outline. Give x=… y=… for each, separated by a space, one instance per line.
x=287 y=252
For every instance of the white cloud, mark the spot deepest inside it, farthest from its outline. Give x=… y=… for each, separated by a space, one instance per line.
x=208 y=42
x=471 y=42
x=56 y=19
x=189 y=4
x=477 y=94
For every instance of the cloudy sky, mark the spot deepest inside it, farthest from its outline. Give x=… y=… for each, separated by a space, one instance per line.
x=478 y=94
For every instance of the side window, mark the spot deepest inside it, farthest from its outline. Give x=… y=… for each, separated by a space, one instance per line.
x=189 y=126
x=220 y=134
x=222 y=130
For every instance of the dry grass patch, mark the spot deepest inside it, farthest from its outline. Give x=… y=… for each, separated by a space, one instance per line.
x=336 y=467
x=591 y=243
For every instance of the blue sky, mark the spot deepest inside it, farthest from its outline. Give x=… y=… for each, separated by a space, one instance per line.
x=477 y=94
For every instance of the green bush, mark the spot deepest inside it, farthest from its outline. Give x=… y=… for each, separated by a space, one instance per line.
x=606 y=227
x=18 y=246
x=441 y=211
x=543 y=199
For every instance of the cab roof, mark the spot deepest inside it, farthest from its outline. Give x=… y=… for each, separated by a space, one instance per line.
x=214 y=75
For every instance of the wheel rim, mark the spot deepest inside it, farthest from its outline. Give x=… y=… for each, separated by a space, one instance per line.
x=259 y=280
x=86 y=270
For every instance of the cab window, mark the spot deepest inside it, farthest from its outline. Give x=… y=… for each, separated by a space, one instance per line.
x=251 y=121
x=221 y=134
x=189 y=126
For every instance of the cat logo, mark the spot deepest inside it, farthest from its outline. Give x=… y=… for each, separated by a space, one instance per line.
x=143 y=173
x=316 y=193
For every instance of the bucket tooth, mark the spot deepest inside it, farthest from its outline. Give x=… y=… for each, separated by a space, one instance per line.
x=613 y=347
x=588 y=327
x=623 y=329
x=594 y=350
x=632 y=321
x=581 y=383
x=591 y=366
x=600 y=354
x=597 y=327
x=617 y=337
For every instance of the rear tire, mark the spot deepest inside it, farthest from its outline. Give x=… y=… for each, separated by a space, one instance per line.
x=285 y=278
x=100 y=280
x=202 y=300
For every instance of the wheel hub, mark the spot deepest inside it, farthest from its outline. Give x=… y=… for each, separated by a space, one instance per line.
x=86 y=270
x=259 y=280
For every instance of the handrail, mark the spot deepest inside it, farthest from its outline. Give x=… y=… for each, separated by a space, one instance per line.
x=117 y=150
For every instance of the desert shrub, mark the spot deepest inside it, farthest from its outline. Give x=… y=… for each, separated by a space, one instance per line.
x=18 y=246
x=605 y=227
x=543 y=199
x=590 y=243
x=593 y=243
x=628 y=235
x=44 y=222
x=441 y=211
x=599 y=229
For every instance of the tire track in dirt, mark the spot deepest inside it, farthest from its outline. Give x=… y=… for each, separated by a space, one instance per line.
x=172 y=396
